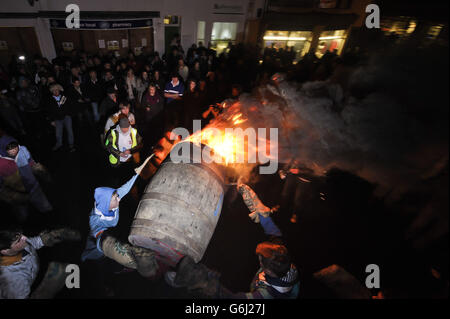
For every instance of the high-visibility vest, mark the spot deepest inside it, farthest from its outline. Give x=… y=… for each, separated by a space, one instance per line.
x=112 y=158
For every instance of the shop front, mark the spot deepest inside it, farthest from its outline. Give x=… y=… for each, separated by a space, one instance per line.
x=300 y=41
x=102 y=36
x=313 y=32
x=331 y=41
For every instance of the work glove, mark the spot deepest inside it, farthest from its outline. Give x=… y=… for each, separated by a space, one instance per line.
x=253 y=203
x=139 y=169
x=197 y=277
x=50 y=238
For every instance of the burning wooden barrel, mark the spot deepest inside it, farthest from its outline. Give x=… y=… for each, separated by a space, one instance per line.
x=178 y=213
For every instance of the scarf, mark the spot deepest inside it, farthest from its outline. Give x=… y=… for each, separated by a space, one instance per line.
x=282 y=285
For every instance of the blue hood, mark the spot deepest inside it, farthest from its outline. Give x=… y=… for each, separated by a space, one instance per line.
x=102 y=196
x=4 y=141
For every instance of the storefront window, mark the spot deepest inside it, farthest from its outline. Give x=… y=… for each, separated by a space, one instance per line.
x=299 y=40
x=201 y=32
x=332 y=41
x=222 y=34
x=433 y=32
x=400 y=26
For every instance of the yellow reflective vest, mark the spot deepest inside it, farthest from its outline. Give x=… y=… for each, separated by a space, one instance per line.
x=115 y=144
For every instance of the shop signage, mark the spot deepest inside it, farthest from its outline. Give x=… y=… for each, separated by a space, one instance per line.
x=104 y=24
x=113 y=45
x=67 y=46
x=220 y=8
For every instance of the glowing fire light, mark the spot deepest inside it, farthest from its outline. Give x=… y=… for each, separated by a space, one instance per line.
x=223 y=144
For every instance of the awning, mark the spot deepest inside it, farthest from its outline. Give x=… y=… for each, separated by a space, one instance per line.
x=104 y=24
x=84 y=15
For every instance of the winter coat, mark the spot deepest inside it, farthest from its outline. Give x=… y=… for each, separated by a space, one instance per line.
x=58 y=110
x=25 y=164
x=12 y=188
x=95 y=91
x=74 y=99
x=29 y=99
x=108 y=106
x=16 y=279
x=155 y=103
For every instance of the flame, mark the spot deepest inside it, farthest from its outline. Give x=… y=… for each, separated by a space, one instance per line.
x=223 y=143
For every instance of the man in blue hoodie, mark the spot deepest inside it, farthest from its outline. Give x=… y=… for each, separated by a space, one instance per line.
x=105 y=215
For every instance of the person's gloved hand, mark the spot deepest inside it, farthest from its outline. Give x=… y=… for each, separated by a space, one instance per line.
x=253 y=203
x=191 y=275
x=197 y=277
x=50 y=238
x=139 y=169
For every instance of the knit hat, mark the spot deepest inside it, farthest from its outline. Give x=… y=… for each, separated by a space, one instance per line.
x=124 y=122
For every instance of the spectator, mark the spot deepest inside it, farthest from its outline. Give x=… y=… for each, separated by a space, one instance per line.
x=95 y=92
x=192 y=105
x=142 y=85
x=124 y=108
x=79 y=102
x=195 y=72
x=174 y=89
x=159 y=81
x=10 y=148
x=132 y=84
x=109 y=104
x=9 y=113
x=122 y=142
x=59 y=113
x=152 y=104
x=12 y=189
x=28 y=98
x=183 y=70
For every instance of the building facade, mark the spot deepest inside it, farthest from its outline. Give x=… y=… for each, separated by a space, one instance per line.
x=38 y=26
x=311 y=26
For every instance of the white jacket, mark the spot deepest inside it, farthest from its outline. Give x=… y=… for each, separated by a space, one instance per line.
x=16 y=279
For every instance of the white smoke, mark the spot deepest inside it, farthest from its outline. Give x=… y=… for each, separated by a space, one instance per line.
x=388 y=128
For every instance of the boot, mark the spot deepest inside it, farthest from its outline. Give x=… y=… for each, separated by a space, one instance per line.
x=145 y=259
x=119 y=252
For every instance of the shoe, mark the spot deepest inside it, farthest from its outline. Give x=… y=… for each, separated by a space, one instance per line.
x=72 y=149
x=56 y=148
x=169 y=277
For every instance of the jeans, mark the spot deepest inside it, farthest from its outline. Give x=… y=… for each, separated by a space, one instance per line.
x=95 y=111
x=67 y=124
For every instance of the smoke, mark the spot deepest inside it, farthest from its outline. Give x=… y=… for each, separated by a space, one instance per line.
x=389 y=125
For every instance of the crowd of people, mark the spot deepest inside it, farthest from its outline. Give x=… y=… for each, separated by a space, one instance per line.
x=128 y=103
